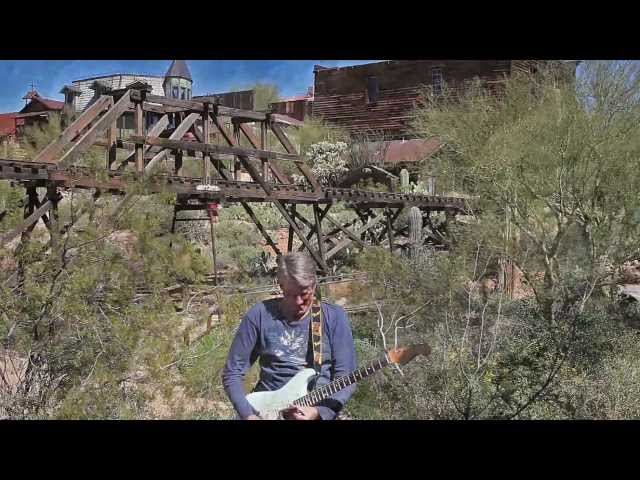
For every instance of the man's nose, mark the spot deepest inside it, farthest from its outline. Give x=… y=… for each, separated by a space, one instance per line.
x=299 y=300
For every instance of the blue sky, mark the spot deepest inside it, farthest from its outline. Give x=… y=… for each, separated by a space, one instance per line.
x=209 y=76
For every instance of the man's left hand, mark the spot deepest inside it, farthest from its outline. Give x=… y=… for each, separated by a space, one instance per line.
x=301 y=413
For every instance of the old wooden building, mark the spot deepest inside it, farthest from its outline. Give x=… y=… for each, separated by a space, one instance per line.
x=242 y=99
x=378 y=98
x=37 y=111
x=297 y=106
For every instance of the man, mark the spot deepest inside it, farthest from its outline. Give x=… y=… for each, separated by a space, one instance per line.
x=277 y=331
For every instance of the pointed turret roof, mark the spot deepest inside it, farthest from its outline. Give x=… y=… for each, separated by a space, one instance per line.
x=178 y=68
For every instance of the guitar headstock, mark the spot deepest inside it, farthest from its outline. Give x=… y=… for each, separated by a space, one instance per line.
x=403 y=355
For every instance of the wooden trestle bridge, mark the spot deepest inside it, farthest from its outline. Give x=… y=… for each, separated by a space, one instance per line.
x=53 y=168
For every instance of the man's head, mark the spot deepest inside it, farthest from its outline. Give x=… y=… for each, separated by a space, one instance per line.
x=297 y=278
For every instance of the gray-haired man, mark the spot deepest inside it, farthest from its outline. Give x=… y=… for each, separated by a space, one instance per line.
x=276 y=332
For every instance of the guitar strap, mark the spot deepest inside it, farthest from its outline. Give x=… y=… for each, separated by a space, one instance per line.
x=316 y=331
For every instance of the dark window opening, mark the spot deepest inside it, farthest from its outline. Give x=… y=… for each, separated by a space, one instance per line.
x=437 y=80
x=175 y=92
x=373 y=89
x=184 y=93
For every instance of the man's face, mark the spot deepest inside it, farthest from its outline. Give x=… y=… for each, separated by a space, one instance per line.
x=296 y=299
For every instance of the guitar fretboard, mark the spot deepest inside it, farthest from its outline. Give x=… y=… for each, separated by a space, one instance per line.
x=325 y=391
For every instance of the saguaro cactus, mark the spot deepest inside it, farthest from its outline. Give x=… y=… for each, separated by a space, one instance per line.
x=404 y=180
x=415 y=230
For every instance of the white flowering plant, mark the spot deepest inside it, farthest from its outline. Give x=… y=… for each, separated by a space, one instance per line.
x=328 y=161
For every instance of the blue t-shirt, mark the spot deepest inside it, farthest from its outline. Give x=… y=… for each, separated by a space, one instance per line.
x=283 y=349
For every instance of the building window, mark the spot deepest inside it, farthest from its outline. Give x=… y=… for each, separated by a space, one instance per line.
x=437 y=80
x=372 y=89
x=289 y=107
x=184 y=93
x=175 y=92
x=188 y=94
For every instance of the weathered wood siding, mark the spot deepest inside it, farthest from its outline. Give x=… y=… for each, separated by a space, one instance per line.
x=298 y=109
x=244 y=100
x=341 y=96
x=114 y=82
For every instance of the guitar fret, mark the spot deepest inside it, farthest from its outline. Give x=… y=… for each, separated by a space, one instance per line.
x=325 y=391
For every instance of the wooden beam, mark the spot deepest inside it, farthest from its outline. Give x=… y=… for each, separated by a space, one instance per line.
x=28 y=222
x=246 y=130
x=318 y=219
x=183 y=105
x=72 y=131
x=304 y=169
x=112 y=147
x=261 y=228
x=283 y=139
x=313 y=227
x=98 y=128
x=290 y=237
x=241 y=114
x=206 y=167
x=389 y=228
x=278 y=204
x=139 y=151
x=159 y=127
x=172 y=144
x=352 y=236
x=198 y=106
x=178 y=133
x=319 y=260
x=349 y=233
x=393 y=219
x=285 y=120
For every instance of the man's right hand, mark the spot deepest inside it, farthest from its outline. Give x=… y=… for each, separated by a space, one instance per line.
x=253 y=417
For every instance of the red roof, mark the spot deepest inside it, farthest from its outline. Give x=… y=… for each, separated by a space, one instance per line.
x=48 y=103
x=51 y=104
x=8 y=123
x=413 y=150
x=295 y=98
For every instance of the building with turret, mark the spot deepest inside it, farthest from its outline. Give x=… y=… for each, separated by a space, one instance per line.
x=177 y=81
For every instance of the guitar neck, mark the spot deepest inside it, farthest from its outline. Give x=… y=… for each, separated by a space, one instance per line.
x=320 y=393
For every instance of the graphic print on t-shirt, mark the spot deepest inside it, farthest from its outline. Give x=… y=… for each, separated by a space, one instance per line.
x=292 y=346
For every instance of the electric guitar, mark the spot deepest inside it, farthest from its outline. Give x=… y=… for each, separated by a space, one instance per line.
x=270 y=405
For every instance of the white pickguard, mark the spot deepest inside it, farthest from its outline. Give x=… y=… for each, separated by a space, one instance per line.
x=269 y=404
